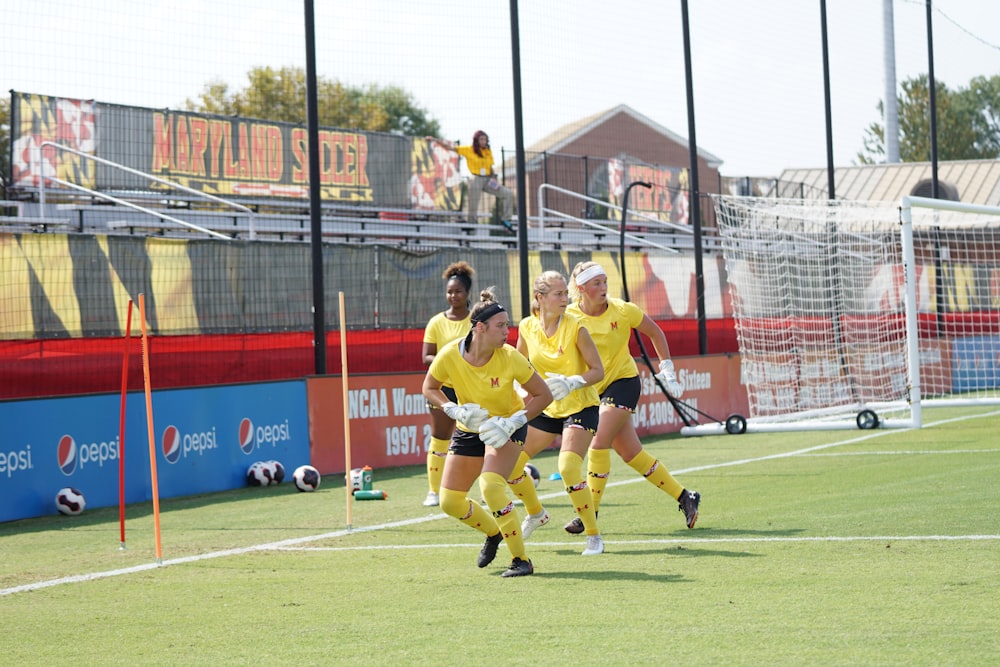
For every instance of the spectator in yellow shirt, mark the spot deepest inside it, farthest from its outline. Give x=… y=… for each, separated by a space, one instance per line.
x=479 y=159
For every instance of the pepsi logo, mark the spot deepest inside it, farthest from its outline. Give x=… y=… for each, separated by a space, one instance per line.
x=66 y=454
x=171 y=444
x=247 y=440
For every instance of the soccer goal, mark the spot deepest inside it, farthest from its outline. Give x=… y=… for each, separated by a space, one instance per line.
x=856 y=314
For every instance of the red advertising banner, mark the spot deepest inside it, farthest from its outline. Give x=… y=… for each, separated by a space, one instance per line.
x=390 y=426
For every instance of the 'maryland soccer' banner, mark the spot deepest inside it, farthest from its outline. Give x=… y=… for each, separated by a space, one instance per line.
x=222 y=155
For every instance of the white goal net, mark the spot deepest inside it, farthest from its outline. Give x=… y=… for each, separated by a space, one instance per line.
x=854 y=314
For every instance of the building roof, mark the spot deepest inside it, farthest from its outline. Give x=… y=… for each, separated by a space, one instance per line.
x=570 y=132
x=976 y=181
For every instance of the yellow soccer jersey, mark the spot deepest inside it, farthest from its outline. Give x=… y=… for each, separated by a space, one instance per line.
x=478 y=166
x=611 y=332
x=440 y=330
x=558 y=354
x=491 y=385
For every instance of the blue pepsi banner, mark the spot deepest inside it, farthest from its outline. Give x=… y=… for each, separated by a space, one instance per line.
x=204 y=439
x=975 y=364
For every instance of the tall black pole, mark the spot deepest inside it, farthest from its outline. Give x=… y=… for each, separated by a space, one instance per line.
x=826 y=102
x=933 y=102
x=699 y=273
x=315 y=200
x=522 y=185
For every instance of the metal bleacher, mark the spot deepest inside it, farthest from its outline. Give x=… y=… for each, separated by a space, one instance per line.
x=65 y=207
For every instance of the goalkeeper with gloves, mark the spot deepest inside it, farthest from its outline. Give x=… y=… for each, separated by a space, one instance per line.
x=610 y=321
x=491 y=415
x=562 y=351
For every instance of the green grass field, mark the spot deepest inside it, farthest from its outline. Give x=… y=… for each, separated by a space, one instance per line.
x=831 y=548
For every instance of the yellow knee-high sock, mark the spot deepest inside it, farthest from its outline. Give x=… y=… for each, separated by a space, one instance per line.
x=655 y=473
x=494 y=488
x=456 y=504
x=571 y=469
x=598 y=471
x=524 y=487
x=435 y=462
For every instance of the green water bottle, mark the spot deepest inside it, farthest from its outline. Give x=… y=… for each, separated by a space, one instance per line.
x=370 y=494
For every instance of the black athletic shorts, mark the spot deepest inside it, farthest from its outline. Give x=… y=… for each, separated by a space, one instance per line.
x=623 y=393
x=464 y=443
x=586 y=419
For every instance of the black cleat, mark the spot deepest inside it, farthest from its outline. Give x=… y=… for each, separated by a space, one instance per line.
x=688 y=504
x=519 y=568
x=489 y=551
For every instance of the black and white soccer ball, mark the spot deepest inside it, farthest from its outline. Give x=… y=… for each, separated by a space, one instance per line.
x=70 y=501
x=306 y=478
x=258 y=474
x=530 y=469
x=277 y=471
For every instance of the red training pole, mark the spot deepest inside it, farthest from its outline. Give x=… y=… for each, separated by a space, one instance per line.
x=121 y=427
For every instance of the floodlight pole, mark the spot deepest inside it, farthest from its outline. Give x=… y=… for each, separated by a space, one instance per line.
x=315 y=199
x=699 y=272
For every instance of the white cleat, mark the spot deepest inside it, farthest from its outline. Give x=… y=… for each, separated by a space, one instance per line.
x=533 y=521
x=595 y=545
x=432 y=500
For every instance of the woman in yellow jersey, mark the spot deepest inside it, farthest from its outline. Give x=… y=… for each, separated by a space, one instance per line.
x=610 y=321
x=444 y=328
x=560 y=349
x=479 y=159
x=492 y=422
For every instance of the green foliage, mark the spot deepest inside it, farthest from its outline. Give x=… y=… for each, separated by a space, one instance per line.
x=280 y=95
x=968 y=122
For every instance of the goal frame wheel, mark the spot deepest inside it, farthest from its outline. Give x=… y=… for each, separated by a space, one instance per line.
x=867 y=420
x=736 y=424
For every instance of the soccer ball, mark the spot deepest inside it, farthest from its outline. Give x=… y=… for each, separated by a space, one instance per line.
x=258 y=474
x=306 y=478
x=277 y=471
x=531 y=470
x=70 y=501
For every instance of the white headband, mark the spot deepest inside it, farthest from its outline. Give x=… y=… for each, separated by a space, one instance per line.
x=590 y=273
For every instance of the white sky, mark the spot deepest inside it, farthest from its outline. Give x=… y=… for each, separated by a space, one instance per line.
x=757 y=64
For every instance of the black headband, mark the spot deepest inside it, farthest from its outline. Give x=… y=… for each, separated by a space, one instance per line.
x=487 y=312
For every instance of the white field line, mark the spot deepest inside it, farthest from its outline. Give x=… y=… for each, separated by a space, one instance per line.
x=689 y=541
x=293 y=542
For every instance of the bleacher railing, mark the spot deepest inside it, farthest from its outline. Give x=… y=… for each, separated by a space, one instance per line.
x=43 y=177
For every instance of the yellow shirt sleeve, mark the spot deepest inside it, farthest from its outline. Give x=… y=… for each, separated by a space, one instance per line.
x=479 y=166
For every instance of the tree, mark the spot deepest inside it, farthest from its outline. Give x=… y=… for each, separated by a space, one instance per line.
x=968 y=122
x=281 y=95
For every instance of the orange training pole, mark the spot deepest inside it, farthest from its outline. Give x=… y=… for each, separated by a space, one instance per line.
x=347 y=423
x=121 y=427
x=149 y=423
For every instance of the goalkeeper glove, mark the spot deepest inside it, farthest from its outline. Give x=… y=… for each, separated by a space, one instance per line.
x=562 y=386
x=497 y=430
x=669 y=378
x=469 y=414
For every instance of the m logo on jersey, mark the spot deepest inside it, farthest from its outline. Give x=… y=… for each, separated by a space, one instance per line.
x=66 y=455
x=247 y=440
x=494 y=383
x=170 y=444
x=614 y=326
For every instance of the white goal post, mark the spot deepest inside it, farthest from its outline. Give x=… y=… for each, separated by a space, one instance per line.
x=858 y=314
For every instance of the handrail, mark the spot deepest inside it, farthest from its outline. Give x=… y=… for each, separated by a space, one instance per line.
x=211 y=197
x=543 y=211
